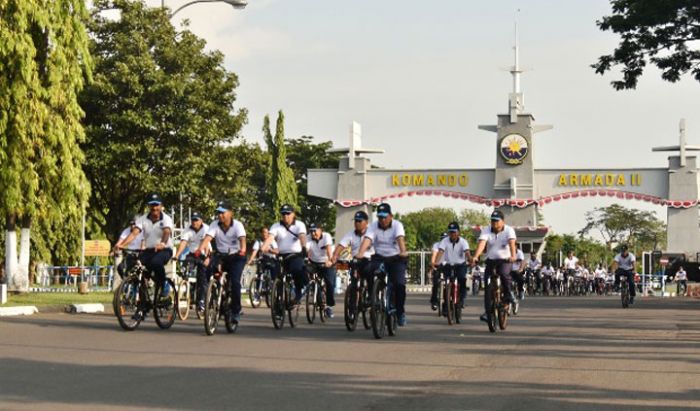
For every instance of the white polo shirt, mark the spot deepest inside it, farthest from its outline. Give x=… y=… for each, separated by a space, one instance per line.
x=681 y=275
x=454 y=252
x=436 y=248
x=258 y=244
x=570 y=263
x=136 y=243
x=353 y=240
x=386 y=242
x=194 y=238
x=600 y=273
x=318 y=249
x=153 y=230
x=227 y=242
x=288 y=239
x=626 y=263
x=519 y=260
x=533 y=264
x=497 y=244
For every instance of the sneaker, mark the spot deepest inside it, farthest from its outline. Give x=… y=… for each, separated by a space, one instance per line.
x=235 y=318
x=433 y=306
x=521 y=296
x=402 y=320
x=138 y=316
x=484 y=318
x=631 y=300
x=329 y=312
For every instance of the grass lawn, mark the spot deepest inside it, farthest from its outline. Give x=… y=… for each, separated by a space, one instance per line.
x=39 y=299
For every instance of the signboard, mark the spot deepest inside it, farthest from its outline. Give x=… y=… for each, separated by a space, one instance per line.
x=97 y=248
x=663 y=261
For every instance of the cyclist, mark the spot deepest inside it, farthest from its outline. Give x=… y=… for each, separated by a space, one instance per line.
x=320 y=250
x=125 y=264
x=230 y=242
x=267 y=260
x=600 y=274
x=387 y=236
x=156 y=228
x=436 y=266
x=454 y=254
x=353 y=240
x=191 y=239
x=498 y=240
x=477 y=278
x=625 y=264
x=681 y=278
x=516 y=272
x=570 y=266
x=534 y=268
x=290 y=236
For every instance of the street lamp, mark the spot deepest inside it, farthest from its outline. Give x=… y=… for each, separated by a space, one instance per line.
x=236 y=4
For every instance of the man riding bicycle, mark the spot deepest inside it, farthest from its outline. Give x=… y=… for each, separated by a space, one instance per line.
x=454 y=254
x=498 y=240
x=320 y=250
x=625 y=264
x=290 y=236
x=534 y=267
x=230 y=244
x=267 y=260
x=516 y=272
x=570 y=266
x=136 y=244
x=191 y=239
x=387 y=236
x=156 y=228
x=681 y=280
x=436 y=266
x=353 y=241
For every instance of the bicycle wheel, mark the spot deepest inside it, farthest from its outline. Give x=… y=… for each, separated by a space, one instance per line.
x=378 y=309
x=267 y=290
x=451 y=305
x=231 y=326
x=183 y=299
x=212 y=307
x=311 y=302
x=492 y=307
x=625 y=295
x=502 y=314
x=254 y=292
x=164 y=308
x=440 y=296
x=321 y=301
x=365 y=301
x=126 y=303
x=392 y=319
x=277 y=302
x=351 y=307
x=292 y=308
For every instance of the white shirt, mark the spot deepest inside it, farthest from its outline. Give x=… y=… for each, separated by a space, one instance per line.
x=386 y=242
x=354 y=240
x=288 y=242
x=533 y=264
x=317 y=249
x=570 y=263
x=194 y=238
x=454 y=253
x=497 y=244
x=477 y=271
x=136 y=243
x=227 y=242
x=681 y=275
x=258 y=244
x=626 y=263
x=153 y=231
x=519 y=257
x=436 y=248
x=548 y=271
x=600 y=273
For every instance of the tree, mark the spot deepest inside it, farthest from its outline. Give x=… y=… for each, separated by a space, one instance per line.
x=44 y=61
x=660 y=32
x=618 y=224
x=589 y=251
x=280 y=178
x=469 y=219
x=423 y=228
x=303 y=154
x=157 y=113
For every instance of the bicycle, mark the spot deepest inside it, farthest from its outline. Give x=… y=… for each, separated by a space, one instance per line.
x=624 y=291
x=383 y=315
x=218 y=301
x=476 y=283
x=496 y=309
x=283 y=298
x=357 y=297
x=546 y=284
x=260 y=285
x=137 y=294
x=449 y=296
x=316 y=294
x=188 y=270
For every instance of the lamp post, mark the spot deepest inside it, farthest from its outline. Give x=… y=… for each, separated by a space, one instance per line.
x=236 y=4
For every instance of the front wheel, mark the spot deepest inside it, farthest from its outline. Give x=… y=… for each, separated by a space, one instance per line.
x=292 y=307
x=378 y=314
x=277 y=302
x=231 y=324
x=449 y=302
x=311 y=291
x=183 y=299
x=126 y=304
x=212 y=307
x=165 y=309
x=351 y=307
x=254 y=291
x=492 y=309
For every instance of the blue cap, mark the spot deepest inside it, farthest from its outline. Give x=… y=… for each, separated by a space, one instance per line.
x=384 y=210
x=453 y=227
x=360 y=216
x=286 y=209
x=154 y=199
x=223 y=206
x=497 y=215
x=196 y=216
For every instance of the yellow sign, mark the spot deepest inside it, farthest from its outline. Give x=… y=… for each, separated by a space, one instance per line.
x=429 y=180
x=599 y=180
x=97 y=248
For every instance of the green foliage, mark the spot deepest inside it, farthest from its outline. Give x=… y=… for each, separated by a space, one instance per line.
x=660 y=32
x=302 y=155
x=469 y=219
x=589 y=252
x=280 y=178
x=157 y=112
x=44 y=61
x=618 y=224
x=423 y=228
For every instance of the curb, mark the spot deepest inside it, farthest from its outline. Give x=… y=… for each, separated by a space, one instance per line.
x=85 y=308
x=20 y=310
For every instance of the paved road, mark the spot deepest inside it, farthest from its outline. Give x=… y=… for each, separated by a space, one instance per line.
x=560 y=353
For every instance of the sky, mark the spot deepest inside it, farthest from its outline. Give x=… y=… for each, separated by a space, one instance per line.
x=421 y=76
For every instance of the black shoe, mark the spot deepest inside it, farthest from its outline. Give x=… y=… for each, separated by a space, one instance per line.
x=433 y=306
x=484 y=318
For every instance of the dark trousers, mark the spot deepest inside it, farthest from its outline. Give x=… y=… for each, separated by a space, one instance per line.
x=630 y=280
x=329 y=276
x=232 y=265
x=202 y=277
x=460 y=271
x=502 y=268
x=519 y=279
x=362 y=271
x=155 y=261
x=270 y=264
x=396 y=267
x=125 y=265
x=295 y=266
x=436 y=277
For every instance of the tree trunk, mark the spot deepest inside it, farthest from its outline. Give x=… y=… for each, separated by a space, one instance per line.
x=22 y=282
x=10 y=251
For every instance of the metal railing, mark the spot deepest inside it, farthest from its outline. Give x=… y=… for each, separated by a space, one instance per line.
x=97 y=277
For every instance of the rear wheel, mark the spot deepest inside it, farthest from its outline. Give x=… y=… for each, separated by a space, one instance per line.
x=311 y=302
x=212 y=307
x=126 y=303
x=164 y=306
x=292 y=307
x=183 y=298
x=277 y=308
x=351 y=307
x=449 y=303
x=254 y=291
x=378 y=309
